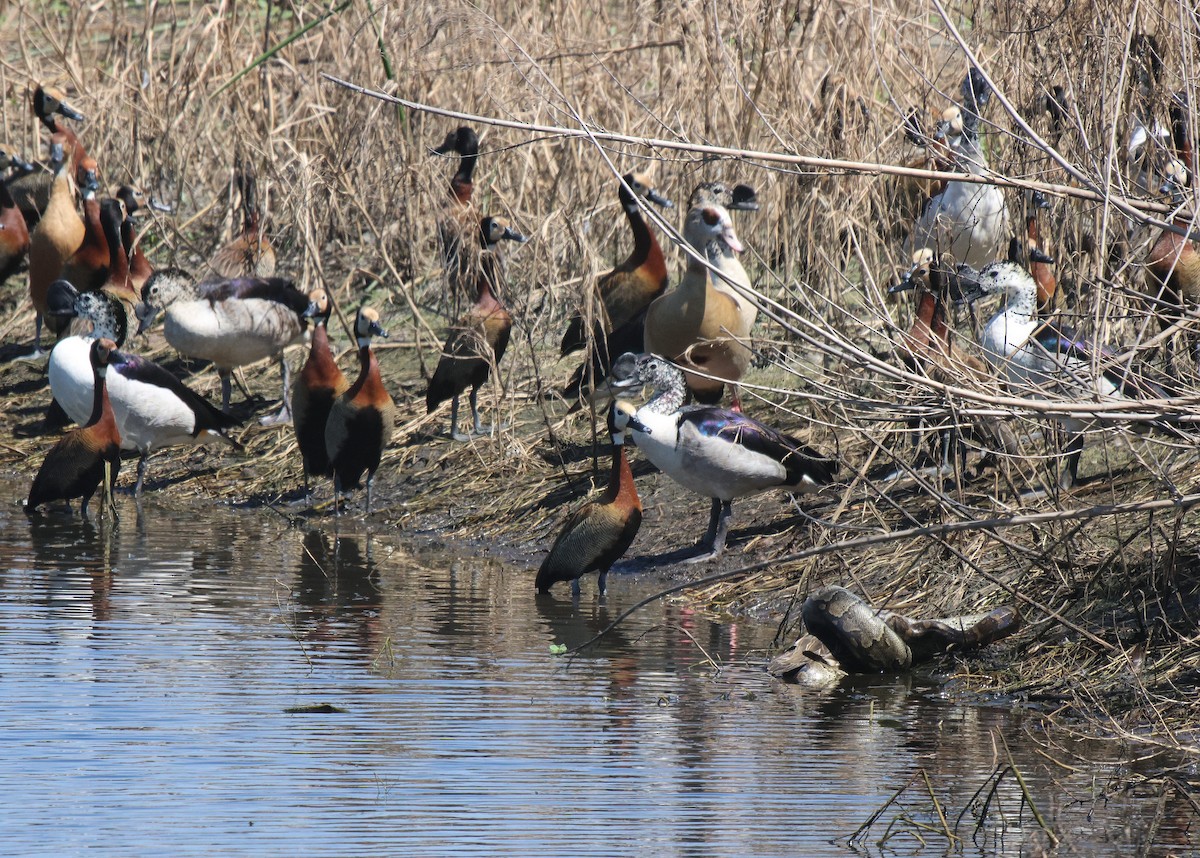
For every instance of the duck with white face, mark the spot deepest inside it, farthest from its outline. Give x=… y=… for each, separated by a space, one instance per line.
x=715 y=452
x=1044 y=360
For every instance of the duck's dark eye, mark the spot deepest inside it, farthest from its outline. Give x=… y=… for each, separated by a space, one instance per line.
x=711 y=217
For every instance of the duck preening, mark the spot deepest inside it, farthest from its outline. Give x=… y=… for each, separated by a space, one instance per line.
x=1044 y=360
x=315 y=389
x=478 y=340
x=714 y=452
x=697 y=324
x=229 y=322
x=596 y=535
x=361 y=419
x=153 y=408
x=87 y=456
x=967 y=220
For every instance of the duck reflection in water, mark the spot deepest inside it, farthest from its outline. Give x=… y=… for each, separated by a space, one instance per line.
x=337 y=592
x=68 y=549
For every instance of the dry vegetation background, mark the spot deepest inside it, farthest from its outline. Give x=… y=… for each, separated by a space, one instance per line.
x=352 y=194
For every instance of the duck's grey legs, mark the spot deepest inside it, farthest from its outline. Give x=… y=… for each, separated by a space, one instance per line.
x=226 y=387
x=718 y=529
x=454 y=433
x=285 y=410
x=141 y=478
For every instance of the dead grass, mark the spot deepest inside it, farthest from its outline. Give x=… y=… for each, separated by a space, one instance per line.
x=353 y=195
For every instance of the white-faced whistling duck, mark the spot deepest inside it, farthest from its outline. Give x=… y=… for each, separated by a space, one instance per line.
x=625 y=292
x=696 y=324
x=630 y=287
x=596 y=535
x=154 y=409
x=14 y=233
x=1039 y=358
x=49 y=104
x=31 y=191
x=314 y=391
x=478 y=340
x=140 y=268
x=457 y=225
x=249 y=253
x=714 y=452
x=1173 y=265
x=84 y=457
x=967 y=220
x=229 y=322
x=54 y=240
x=361 y=420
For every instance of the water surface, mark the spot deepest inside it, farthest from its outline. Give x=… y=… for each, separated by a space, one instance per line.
x=223 y=683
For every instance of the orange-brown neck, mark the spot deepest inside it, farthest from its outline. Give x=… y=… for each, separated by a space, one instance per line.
x=320 y=368
x=621 y=489
x=368 y=388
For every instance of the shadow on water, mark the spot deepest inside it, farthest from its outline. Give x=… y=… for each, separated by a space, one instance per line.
x=272 y=688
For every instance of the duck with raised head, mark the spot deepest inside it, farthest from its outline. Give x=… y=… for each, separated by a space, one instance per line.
x=249 y=253
x=698 y=325
x=134 y=201
x=478 y=340
x=153 y=408
x=361 y=420
x=32 y=188
x=598 y=534
x=84 y=457
x=625 y=293
x=967 y=220
x=715 y=452
x=315 y=389
x=1031 y=251
x=55 y=239
x=459 y=221
x=629 y=288
x=229 y=322
x=87 y=267
x=1041 y=359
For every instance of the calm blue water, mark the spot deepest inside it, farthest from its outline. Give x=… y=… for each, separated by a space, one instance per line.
x=147 y=670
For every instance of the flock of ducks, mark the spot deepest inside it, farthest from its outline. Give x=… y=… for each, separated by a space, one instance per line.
x=93 y=288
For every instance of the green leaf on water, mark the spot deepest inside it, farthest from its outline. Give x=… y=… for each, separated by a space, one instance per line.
x=557 y=649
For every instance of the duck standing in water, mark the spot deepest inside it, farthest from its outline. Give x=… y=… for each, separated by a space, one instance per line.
x=361 y=419
x=479 y=339
x=87 y=456
x=597 y=534
x=715 y=452
x=153 y=408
